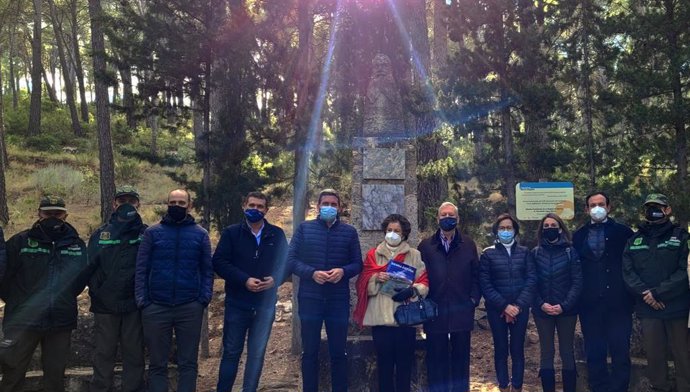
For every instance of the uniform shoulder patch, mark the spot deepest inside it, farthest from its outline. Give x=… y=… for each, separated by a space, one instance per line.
x=105 y=235
x=638 y=241
x=33 y=243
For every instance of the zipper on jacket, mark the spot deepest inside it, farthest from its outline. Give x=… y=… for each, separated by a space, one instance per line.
x=177 y=262
x=51 y=283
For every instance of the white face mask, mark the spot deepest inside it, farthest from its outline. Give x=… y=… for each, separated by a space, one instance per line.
x=393 y=239
x=598 y=214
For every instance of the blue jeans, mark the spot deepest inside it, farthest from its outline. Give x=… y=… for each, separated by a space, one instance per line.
x=255 y=325
x=508 y=338
x=159 y=322
x=607 y=330
x=313 y=313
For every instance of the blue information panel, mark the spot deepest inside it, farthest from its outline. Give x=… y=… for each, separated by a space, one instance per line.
x=536 y=199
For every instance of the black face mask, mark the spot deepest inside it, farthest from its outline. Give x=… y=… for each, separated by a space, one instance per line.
x=52 y=227
x=654 y=214
x=126 y=212
x=551 y=234
x=177 y=213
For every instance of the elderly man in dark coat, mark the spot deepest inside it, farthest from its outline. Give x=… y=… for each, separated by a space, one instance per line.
x=452 y=263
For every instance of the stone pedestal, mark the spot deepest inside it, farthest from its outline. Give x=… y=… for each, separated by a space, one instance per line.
x=384 y=182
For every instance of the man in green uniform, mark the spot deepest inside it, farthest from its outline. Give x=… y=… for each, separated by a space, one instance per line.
x=113 y=255
x=46 y=271
x=655 y=270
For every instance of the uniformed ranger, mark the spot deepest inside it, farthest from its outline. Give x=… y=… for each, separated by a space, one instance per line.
x=655 y=270
x=113 y=255
x=45 y=272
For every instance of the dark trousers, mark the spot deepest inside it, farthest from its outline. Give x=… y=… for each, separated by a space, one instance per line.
x=111 y=330
x=159 y=323
x=509 y=338
x=657 y=336
x=547 y=327
x=607 y=330
x=394 y=357
x=448 y=361
x=255 y=326
x=54 y=353
x=314 y=313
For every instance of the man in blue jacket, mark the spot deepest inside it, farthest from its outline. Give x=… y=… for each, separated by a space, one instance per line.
x=605 y=305
x=325 y=254
x=251 y=258
x=173 y=285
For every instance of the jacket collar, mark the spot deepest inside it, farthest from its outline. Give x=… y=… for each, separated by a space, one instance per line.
x=188 y=220
x=69 y=236
x=382 y=249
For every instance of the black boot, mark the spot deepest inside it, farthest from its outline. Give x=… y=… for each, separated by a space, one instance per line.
x=569 y=380
x=548 y=380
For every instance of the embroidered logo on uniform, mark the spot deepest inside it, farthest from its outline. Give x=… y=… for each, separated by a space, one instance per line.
x=33 y=243
x=105 y=235
x=638 y=241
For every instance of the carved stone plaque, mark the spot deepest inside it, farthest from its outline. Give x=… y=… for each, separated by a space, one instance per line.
x=379 y=201
x=384 y=163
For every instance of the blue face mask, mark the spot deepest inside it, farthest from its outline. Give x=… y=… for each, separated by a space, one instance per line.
x=328 y=213
x=506 y=236
x=448 y=223
x=253 y=215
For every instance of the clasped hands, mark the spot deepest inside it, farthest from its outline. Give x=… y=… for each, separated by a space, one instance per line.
x=649 y=299
x=551 y=310
x=332 y=276
x=510 y=313
x=256 y=285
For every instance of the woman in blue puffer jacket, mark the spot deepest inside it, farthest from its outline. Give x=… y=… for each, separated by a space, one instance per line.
x=559 y=284
x=507 y=279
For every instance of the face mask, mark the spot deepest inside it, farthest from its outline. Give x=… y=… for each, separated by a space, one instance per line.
x=393 y=239
x=177 y=213
x=52 y=227
x=126 y=212
x=328 y=213
x=598 y=214
x=506 y=236
x=654 y=214
x=551 y=234
x=448 y=223
x=253 y=215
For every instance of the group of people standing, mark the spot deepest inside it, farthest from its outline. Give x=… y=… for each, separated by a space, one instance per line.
x=148 y=283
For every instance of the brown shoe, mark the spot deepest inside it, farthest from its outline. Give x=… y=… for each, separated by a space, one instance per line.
x=506 y=389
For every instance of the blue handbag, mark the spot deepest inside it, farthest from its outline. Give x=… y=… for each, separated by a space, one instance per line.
x=417 y=312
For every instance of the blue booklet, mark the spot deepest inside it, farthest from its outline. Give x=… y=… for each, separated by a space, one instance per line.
x=401 y=277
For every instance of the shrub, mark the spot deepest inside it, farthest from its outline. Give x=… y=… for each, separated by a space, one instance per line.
x=42 y=142
x=60 y=180
x=127 y=171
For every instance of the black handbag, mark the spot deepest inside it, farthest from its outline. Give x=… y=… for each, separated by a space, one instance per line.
x=417 y=312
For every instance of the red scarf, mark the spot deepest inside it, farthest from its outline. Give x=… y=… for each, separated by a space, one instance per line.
x=370 y=269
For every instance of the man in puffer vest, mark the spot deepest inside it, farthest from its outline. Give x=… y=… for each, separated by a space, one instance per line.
x=113 y=255
x=173 y=284
x=655 y=264
x=46 y=271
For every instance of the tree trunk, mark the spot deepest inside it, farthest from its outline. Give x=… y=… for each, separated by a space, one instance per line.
x=78 y=66
x=127 y=94
x=152 y=120
x=302 y=156
x=69 y=87
x=4 y=212
x=679 y=111
x=49 y=87
x=440 y=40
x=587 y=91
x=36 y=68
x=13 y=78
x=105 y=148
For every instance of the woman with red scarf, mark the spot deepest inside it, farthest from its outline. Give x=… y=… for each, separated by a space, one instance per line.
x=381 y=288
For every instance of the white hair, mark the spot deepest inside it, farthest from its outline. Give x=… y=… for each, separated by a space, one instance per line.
x=447 y=203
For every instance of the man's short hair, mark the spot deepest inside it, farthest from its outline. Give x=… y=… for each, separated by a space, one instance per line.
x=594 y=194
x=447 y=203
x=256 y=195
x=328 y=192
x=189 y=195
